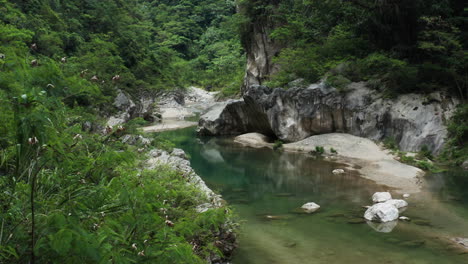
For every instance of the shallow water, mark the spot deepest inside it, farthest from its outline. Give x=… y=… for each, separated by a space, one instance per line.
x=261 y=182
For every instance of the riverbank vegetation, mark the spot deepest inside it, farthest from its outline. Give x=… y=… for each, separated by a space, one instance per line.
x=72 y=191
x=395 y=46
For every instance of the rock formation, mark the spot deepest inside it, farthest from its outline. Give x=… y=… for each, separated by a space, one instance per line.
x=412 y=120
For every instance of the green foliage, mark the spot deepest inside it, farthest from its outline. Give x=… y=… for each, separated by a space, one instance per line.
x=320 y=150
x=71 y=196
x=398 y=47
x=332 y=150
x=390 y=143
x=456 y=151
x=278 y=145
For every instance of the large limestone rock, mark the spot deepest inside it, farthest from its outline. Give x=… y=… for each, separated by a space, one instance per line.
x=397 y=203
x=254 y=140
x=380 y=197
x=232 y=117
x=382 y=212
x=297 y=113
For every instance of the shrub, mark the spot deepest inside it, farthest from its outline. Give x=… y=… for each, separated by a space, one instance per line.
x=278 y=145
x=320 y=150
x=390 y=143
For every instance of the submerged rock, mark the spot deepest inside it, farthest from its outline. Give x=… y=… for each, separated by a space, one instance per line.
x=310 y=207
x=381 y=212
x=338 y=171
x=380 y=197
x=386 y=227
x=404 y=218
x=461 y=241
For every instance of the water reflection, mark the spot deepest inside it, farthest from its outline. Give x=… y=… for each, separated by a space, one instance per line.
x=266 y=187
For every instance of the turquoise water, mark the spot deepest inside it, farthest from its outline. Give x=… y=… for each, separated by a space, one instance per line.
x=265 y=187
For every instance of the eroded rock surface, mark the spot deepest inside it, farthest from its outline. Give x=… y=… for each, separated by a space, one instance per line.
x=382 y=212
x=291 y=115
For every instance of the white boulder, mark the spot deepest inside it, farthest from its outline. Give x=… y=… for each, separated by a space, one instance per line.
x=380 y=197
x=310 y=207
x=382 y=212
x=338 y=171
x=397 y=203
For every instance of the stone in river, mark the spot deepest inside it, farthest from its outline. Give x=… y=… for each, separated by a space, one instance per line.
x=382 y=212
x=380 y=197
x=310 y=207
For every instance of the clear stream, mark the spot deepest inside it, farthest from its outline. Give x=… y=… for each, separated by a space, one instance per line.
x=260 y=182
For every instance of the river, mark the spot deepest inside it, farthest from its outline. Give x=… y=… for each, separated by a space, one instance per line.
x=259 y=183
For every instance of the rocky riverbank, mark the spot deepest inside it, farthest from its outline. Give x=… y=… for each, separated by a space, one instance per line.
x=359 y=154
x=411 y=120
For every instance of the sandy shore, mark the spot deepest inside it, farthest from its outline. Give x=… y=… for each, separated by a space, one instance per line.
x=361 y=154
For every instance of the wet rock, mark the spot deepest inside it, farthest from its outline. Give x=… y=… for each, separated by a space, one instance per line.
x=179 y=153
x=290 y=244
x=274 y=217
x=461 y=241
x=254 y=140
x=422 y=222
x=356 y=221
x=380 y=197
x=413 y=244
x=404 y=218
x=386 y=227
x=382 y=212
x=397 y=203
x=310 y=207
x=338 y=171
x=406 y=195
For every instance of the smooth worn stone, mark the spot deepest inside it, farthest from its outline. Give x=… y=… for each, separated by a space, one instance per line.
x=380 y=197
x=461 y=241
x=338 y=171
x=404 y=218
x=406 y=195
x=310 y=207
x=397 y=203
x=382 y=212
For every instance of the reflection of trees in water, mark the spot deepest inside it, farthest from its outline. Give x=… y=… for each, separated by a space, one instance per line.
x=261 y=172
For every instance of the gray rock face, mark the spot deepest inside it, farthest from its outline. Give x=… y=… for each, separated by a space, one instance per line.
x=261 y=50
x=232 y=117
x=382 y=212
x=128 y=108
x=297 y=113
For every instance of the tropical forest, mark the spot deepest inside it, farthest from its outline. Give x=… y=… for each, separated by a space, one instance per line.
x=234 y=131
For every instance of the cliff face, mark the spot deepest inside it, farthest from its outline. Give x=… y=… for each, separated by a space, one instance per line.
x=291 y=115
x=261 y=50
x=255 y=38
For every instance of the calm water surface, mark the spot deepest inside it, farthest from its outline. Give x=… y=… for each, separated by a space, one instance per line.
x=261 y=182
